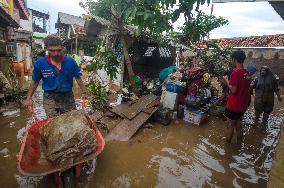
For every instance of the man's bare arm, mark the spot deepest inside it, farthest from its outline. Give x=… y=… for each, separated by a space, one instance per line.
x=233 y=89
x=32 y=89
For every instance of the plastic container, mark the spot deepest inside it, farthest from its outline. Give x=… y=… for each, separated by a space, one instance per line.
x=174 y=115
x=193 y=116
x=173 y=87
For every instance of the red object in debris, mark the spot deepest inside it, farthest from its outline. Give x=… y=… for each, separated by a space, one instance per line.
x=31 y=159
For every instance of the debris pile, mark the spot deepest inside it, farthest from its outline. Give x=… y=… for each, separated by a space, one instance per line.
x=188 y=93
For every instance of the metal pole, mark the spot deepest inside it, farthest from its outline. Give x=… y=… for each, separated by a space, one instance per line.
x=76 y=41
x=49 y=24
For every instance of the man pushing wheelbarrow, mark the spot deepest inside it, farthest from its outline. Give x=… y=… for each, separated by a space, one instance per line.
x=57 y=72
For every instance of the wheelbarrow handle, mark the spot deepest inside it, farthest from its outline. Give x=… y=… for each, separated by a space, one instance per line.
x=31 y=110
x=84 y=104
x=89 y=119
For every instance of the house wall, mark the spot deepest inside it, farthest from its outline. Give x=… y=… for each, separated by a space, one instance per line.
x=24 y=55
x=27 y=25
x=271 y=57
x=106 y=80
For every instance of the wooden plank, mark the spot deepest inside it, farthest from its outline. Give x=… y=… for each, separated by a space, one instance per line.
x=112 y=98
x=154 y=103
x=97 y=115
x=143 y=102
x=120 y=109
x=109 y=122
x=127 y=128
x=149 y=110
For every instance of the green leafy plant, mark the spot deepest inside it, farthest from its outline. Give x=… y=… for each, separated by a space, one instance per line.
x=199 y=27
x=105 y=59
x=99 y=94
x=215 y=59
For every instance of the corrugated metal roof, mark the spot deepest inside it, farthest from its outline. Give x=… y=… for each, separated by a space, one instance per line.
x=70 y=19
x=106 y=23
x=39 y=35
x=101 y=20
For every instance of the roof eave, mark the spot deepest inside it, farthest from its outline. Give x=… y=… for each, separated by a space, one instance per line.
x=8 y=19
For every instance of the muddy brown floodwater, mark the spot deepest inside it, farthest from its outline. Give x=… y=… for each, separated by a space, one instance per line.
x=177 y=155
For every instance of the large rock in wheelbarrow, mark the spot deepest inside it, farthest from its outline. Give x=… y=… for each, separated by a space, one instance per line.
x=68 y=138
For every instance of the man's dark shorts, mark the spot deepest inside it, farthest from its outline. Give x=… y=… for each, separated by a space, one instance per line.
x=55 y=104
x=234 y=115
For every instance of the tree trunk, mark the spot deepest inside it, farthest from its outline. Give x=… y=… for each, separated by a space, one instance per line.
x=122 y=69
x=119 y=22
x=128 y=65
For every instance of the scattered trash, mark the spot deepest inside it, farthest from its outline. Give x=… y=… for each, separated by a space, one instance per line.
x=148 y=125
x=4 y=151
x=163 y=116
x=194 y=116
x=118 y=101
x=169 y=100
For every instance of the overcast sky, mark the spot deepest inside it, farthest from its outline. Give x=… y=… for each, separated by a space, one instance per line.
x=245 y=19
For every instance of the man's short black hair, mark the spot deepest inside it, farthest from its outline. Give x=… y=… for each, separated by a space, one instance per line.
x=239 y=55
x=52 y=40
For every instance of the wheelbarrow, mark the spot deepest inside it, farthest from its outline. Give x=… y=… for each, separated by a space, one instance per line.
x=31 y=158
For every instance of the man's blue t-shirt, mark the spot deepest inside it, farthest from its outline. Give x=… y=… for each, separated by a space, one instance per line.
x=53 y=80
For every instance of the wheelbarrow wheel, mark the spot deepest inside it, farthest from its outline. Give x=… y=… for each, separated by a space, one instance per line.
x=68 y=178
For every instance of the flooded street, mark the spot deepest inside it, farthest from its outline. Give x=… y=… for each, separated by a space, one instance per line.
x=177 y=155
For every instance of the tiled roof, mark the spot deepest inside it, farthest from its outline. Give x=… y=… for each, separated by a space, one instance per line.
x=70 y=19
x=253 y=41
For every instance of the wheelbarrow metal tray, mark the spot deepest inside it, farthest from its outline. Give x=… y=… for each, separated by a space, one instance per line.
x=31 y=158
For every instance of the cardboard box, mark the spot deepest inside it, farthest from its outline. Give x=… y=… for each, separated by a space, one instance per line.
x=193 y=116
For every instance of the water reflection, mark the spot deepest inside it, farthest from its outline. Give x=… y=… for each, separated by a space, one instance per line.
x=247 y=165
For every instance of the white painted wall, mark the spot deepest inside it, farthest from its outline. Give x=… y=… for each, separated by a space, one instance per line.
x=26 y=25
x=105 y=78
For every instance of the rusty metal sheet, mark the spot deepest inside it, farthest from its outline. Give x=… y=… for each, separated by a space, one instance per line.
x=142 y=103
x=127 y=128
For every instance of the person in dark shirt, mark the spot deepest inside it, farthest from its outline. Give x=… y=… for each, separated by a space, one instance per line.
x=265 y=85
